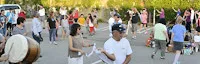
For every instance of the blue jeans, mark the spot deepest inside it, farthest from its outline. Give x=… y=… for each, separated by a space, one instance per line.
x=4 y=30
x=52 y=34
x=35 y=37
x=1 y=31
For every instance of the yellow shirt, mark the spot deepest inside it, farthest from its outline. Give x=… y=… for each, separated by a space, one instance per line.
x=81 y=21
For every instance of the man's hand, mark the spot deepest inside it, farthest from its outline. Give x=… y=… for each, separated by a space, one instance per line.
x=4 y=57
x=101 y=50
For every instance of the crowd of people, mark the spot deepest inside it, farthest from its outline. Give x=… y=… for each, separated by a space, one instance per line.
x=117 y=48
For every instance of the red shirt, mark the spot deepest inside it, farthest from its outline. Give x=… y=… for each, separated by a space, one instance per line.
x=76 y=14
x=22 y=14
x=71 y=18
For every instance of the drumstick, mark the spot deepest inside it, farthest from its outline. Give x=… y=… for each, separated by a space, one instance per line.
x=127 y=28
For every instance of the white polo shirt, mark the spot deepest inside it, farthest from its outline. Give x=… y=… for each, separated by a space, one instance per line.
x=120 y=49
x=41 y=12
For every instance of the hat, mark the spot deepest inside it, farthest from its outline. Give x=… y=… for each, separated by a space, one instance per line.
x=118 y=16
x=118 y=27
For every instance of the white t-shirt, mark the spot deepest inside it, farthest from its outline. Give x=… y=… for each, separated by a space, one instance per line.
x=196 y=38
x=192 y=14
x=42 y=12
x=110 y=22
x=15 y=17
x=120 y=49
x=63 y=12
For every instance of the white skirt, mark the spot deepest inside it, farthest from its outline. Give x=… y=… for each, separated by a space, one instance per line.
x=78 y=60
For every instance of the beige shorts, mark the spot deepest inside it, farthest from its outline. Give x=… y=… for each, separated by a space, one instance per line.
x=134 y=27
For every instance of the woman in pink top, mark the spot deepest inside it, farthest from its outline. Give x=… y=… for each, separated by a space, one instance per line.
x=144 y=16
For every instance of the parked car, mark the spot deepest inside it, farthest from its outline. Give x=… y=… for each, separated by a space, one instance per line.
x=6 y=7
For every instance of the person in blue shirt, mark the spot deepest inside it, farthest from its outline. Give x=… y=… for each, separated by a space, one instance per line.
x=177 y=37
x=10 y=16
x=3 y=20
x=178 y=12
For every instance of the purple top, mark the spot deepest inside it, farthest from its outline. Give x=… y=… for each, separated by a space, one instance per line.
x=162 y=14
x=188 y=19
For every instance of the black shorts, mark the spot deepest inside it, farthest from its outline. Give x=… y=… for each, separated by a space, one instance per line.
x=9 y=25
x=178 y=45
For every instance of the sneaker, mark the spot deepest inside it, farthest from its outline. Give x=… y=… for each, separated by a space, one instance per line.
x=152 y=56
x=162 y=58
x=50 y=42
x=55 y=43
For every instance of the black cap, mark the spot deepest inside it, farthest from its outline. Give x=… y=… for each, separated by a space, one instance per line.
x=118 y=16
x=118 y=27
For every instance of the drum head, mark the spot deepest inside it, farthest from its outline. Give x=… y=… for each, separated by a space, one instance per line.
x=17 y=48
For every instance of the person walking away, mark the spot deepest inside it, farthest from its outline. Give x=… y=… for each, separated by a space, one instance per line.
x=42 y=16
x=52 y=28
x=160 y=36
x=177 y=38
x=20 y=29
x=76 y=44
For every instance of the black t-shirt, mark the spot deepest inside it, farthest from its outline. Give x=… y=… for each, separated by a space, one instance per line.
x=135 y=18
x=52 y=23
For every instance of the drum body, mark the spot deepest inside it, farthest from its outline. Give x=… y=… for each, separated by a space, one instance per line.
x=22 y=49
